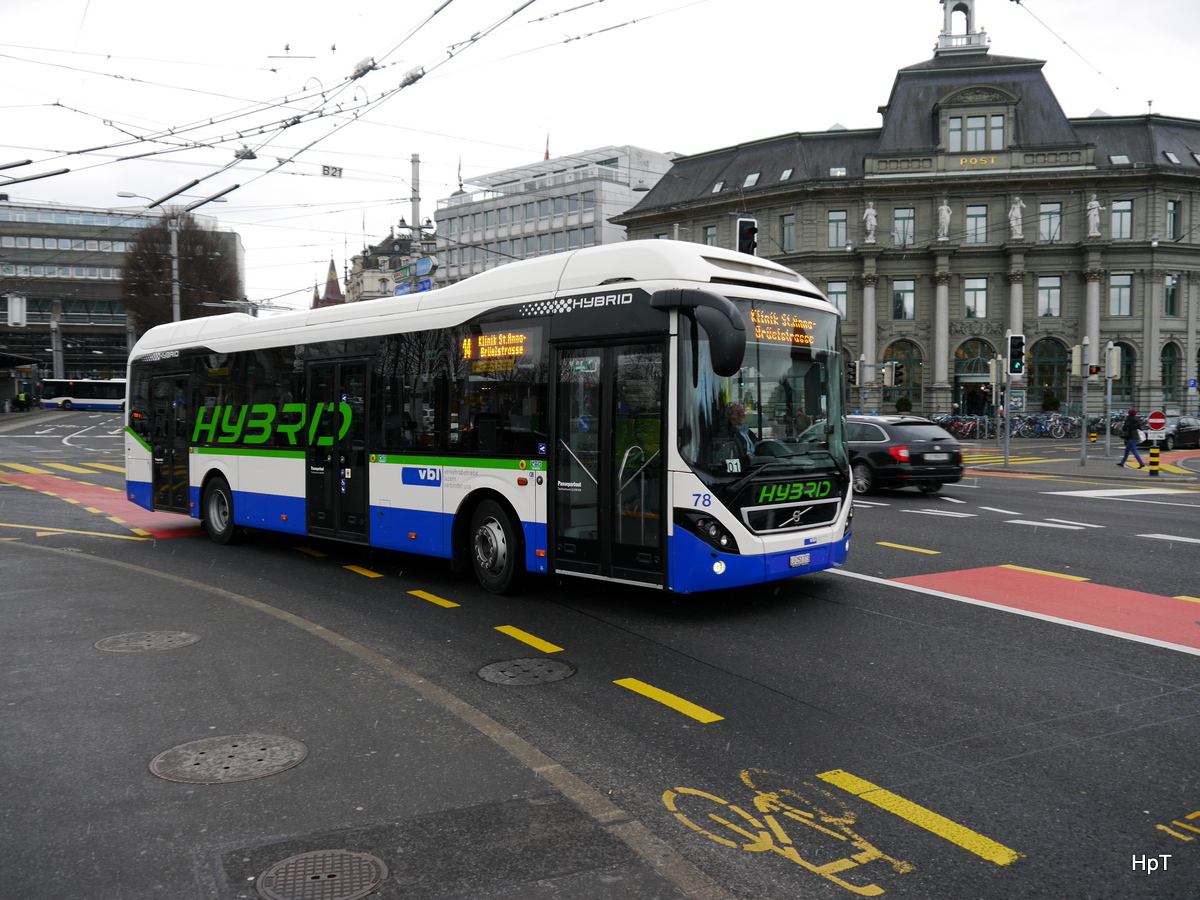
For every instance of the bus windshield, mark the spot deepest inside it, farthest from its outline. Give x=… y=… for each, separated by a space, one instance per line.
x=781 y=411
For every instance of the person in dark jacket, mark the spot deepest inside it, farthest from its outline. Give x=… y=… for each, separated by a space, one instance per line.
x=1131 y=431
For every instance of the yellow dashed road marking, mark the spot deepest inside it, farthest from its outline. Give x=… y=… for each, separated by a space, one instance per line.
x=1044 y=572
x=913 y=549
x=699 y=713
x=526 y=637
x=433 y=598
x=361 y=571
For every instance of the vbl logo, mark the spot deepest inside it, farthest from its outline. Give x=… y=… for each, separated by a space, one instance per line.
x=422 y=475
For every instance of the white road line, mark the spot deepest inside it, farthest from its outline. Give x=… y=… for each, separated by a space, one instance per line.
x=1115 y=493
x=952 y=499
x=1082 y=524
x=858 y=502
x=940 y=512
x=1043 y=524
x=1171 y=537
x=1007 y=512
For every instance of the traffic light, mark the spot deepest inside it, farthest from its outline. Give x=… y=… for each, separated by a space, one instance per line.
x=1113 y=363
x=1016 y=354
x=898 y=374
x=852 y=373
x=1093 y=370
x=889 y=374
x=747 y=235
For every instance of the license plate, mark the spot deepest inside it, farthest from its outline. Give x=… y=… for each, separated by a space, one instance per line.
x=937 y=457
x=800 y=559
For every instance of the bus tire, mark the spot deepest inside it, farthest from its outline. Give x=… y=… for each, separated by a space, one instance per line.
x=218 y=512
x=494 y=546
x=66 y=404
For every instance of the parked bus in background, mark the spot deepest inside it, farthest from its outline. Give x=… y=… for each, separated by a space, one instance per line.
x=83 y=393
x=567 y=414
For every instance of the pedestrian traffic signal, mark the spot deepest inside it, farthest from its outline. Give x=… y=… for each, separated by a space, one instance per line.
x=1093 y=370
x=852 y=373
x=1016 y=354
x=747 y=235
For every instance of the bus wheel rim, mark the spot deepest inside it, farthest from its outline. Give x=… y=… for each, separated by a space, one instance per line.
x=491 y=548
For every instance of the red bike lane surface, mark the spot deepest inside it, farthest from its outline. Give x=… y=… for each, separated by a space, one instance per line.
x=1162 y=619
x=110 y=503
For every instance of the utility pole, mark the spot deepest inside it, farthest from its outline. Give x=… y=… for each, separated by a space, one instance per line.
x=1085 y=375
x=414 y=278
x=173 y=228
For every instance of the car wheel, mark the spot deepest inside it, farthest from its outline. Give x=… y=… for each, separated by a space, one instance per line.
x=495 y=547
x=929 y=487
x=1169 y=442
x=218 y=512
x=864 y=478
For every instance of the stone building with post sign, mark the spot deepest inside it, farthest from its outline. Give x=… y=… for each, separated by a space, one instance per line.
x=976 y=208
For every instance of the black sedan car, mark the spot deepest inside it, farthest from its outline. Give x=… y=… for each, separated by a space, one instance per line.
x=901 y=451
x=1181 y=431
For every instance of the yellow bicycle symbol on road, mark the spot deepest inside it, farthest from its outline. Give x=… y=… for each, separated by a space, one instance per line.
x=750 y=833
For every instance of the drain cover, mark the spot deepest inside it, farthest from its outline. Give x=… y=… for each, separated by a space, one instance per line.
x=147 y=640
x=323 y=875
x=236 y=757
x=519 y=672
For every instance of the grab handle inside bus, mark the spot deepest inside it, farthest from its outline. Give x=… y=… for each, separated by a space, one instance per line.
x=721 y=320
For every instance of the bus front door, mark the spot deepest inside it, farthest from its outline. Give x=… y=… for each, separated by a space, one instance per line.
x=336 y=490
x=170 y=433
x=607 y=477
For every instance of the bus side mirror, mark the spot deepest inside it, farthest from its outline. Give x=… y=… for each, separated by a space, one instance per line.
x=721 y=320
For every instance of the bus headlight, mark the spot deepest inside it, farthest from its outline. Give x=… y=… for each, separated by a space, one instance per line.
x=708 y=529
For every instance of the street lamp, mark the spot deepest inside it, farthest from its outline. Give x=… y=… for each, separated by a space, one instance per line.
x=173 y=228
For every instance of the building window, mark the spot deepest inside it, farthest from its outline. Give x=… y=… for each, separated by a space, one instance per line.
x=589 y=236
x=587 y=201
x=956 y=143
x=1122 y=220
x=837 y=228
x=836 y=292
x=1050 y=222
x=710 y=235
x=904 y=299
x=975 y=298
x=787 y=233
x=976 y=224
x=1049 y=296
x=1171 y=295
x=1122 y=388
x=903 y=226
x=1172 y=220
x=976 y=134
x=996 y=133
x=787 y=173
x=1171 y=157
x=717 y=187
x=1120 y=295
x=751 y=179
x=1170 y=373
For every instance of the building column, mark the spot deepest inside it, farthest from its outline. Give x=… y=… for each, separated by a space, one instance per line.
x=938 y=400
x=868 y=327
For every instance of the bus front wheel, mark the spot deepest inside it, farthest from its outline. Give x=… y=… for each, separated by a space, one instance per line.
x=494 y=548
x=218 y=511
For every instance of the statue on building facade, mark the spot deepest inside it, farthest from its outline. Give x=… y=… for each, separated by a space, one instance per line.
x=871 y=217
x=1093 y=217
x=944 y=213
x=1015 y=223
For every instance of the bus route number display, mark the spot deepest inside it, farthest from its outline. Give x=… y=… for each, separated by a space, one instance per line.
x=502 y=345
x=781 y=328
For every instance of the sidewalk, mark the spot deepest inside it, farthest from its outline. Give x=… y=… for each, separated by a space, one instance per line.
x=163 y=768
x=1062 y=457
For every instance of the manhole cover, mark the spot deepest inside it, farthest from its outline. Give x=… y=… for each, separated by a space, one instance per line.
x=323 y=875
x=520 y=672
x=147 y=640
x=236 y=757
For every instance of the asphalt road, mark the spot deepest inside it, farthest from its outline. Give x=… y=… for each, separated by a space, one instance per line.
x=994 y=726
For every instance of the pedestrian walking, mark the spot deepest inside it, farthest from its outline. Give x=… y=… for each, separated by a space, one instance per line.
x=1132 y=432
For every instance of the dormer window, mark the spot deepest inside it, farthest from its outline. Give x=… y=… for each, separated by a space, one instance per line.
x=751 y=179
x=976 y=120
x=975 y=134
x=717 y=187
x=787 y=173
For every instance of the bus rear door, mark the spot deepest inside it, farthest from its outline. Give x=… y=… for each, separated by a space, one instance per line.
x=336 y=489
x=607 y=476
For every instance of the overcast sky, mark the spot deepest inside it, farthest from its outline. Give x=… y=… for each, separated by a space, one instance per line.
x=123 y=92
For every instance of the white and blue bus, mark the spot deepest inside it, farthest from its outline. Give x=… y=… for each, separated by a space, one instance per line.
x=566 y=414
x=83 y=393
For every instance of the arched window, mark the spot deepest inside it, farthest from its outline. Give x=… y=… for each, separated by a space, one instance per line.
x=908 y=386
x=1048 y=367
x=972 y=381
x=1169 y=359
x=1122 y=389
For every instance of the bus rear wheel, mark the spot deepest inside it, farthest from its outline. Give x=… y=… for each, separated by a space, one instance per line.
x=494 y=547
x=67 y=404
x=218 y=512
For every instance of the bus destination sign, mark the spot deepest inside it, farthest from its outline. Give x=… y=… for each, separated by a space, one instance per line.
x=781 y=328
x=503 y=345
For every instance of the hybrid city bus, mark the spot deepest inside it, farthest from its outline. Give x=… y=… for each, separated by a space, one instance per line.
x=83 y=393
x=579 y=413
